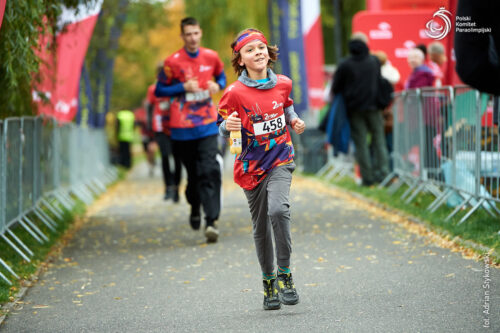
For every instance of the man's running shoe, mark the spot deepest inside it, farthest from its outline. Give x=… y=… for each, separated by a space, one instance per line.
x=271 y=299
x=195 y=218
x=287 y=293
x=211 y=233
x=175 y=196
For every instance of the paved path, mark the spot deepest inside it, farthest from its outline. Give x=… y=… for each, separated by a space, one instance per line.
x=136 y=266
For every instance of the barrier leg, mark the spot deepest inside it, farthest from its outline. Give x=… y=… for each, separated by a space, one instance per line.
x=7 y=267
x=473 y=209
x=410 y=189
x=21 y=253
x=396 y=186
x=31 y=232
x=45 y=219
x=34 y=227
x=414 y=194
x=13 y=235
x=465 y=202
x=65 y=202
x=5 y=279
x=387 y=179
x=440 y=200
x=57 y=212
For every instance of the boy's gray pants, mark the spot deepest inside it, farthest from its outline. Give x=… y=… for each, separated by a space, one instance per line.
x=269 y=205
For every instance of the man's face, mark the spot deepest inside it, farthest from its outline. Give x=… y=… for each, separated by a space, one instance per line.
x=191 y=37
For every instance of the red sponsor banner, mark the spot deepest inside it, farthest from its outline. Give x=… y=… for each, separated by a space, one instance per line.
x=410 y=4
x=2 y=10
x=396 y=32
x=60 y=76
x=313 y=48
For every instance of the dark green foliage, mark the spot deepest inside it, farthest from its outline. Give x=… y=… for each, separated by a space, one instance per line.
x=23 y=23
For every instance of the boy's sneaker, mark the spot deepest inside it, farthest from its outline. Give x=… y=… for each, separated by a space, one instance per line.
x=271 y=298
x=287 y=293
x=211 y=233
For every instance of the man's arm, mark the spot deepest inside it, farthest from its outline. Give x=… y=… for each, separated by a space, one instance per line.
x=221 y=80
x=163 y=89
x=338 y=80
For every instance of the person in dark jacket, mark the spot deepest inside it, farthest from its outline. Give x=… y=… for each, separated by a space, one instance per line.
x=478 y=52
x=356 y=79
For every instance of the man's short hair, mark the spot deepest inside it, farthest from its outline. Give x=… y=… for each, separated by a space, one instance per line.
x=188 y=21
x=436 y=48
x=360 y=36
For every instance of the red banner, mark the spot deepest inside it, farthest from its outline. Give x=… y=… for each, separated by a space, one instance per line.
x=2 y=10
x=313 y=47
x=396 y=32
x=60 y=76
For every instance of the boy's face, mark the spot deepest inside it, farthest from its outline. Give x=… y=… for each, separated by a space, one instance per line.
x=254 y=56
x=191 y=35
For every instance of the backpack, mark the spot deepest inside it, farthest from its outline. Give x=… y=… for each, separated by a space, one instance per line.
x=384 y=93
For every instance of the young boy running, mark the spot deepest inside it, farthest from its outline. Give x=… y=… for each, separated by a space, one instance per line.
x=259 y=106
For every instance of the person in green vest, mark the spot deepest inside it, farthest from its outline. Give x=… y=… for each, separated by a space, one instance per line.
x=125 y=122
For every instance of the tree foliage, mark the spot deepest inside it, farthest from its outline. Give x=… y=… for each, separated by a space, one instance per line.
x=147 y=37
x=23 y=23
x=221 y=20
x=347 y=11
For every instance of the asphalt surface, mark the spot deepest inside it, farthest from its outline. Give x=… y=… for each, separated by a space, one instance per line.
x=136 y=266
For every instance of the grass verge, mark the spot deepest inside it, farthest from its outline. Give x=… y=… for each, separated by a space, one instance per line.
x=26 y=269
x=480 y=232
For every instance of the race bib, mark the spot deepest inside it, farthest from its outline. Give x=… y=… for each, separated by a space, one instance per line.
x=159 y=127
x=269 y=126
x=164 y=105
x=197 y=96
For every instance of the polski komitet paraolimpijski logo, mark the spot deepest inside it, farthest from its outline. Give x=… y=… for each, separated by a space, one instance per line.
x=440 y=25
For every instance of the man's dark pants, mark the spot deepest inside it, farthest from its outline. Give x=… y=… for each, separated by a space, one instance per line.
x=203 y=173
x=372 y=122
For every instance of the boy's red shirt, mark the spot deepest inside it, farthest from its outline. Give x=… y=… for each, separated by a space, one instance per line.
x=266 y=141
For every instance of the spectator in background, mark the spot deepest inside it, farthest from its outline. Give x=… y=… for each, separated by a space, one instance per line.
x=437 y=59
x=357 y=79
x=147 y=138
x=478 y=54
x=391 y=74
x=158 y=119
x=422 y=75
x=125 y=122
x=387 y=70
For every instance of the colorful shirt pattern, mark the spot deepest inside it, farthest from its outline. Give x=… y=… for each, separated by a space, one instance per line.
x=161 y=111
x=266 y=141
x=188 y=110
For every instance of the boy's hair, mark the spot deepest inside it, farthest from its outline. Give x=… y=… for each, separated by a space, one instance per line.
x=188 y=21
x=271 y=49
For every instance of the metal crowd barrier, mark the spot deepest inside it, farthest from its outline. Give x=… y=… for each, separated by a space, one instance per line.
x=446 y=144
x=44 y=168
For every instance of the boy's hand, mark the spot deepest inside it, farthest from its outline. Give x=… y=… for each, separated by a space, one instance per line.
x=298 y=125
x=233 y=122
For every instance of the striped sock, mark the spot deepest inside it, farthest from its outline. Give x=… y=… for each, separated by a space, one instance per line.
x=269 y=276
x=284 y=270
